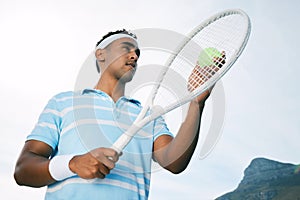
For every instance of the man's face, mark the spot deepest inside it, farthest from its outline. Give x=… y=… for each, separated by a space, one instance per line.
x=121 y=59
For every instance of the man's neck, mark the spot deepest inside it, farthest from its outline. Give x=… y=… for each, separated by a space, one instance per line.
x=115 y=89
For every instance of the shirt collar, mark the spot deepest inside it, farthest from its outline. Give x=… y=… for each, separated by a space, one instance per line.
x=125 y=98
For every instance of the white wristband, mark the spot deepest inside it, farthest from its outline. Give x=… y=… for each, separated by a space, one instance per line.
x=59 y=167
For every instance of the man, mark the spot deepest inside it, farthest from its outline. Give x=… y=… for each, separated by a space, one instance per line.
x=69 y=148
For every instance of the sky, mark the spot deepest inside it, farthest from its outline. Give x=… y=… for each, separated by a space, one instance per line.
x=45 y=43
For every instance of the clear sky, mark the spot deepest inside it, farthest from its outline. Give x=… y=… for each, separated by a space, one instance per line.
x=45 y=43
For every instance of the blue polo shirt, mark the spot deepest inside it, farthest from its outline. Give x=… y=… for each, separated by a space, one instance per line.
x=77 y=122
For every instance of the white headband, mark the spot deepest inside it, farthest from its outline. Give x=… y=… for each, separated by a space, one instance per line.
x=112 y=38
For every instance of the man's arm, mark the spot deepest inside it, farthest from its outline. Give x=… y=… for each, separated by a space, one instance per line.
x=174 y=154
x=32 y=165
x=32 y=168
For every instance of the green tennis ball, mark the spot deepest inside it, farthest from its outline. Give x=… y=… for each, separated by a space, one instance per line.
x=207 y=55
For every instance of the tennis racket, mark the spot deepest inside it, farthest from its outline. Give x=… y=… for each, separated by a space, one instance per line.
x=228 y=33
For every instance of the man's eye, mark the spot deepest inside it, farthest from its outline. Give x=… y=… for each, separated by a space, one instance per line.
x=126 y=48
x=138 y=52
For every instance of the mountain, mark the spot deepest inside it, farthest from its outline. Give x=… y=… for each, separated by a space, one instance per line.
x=269 y=180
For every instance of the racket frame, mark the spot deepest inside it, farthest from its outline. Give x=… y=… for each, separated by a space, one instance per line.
x=157 y=111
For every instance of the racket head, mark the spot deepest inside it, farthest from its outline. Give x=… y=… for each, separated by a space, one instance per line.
x=228 y=32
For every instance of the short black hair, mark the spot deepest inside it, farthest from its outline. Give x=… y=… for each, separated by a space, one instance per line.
x=124 y=31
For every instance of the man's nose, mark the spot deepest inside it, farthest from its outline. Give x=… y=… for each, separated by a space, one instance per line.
x=133 y=55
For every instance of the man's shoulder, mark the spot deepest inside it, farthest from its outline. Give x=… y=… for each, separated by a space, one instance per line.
x=62 y=96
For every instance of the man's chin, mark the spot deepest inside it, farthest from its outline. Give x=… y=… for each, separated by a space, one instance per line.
x=128 y=76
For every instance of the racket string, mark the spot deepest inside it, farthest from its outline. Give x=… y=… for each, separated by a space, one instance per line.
x=223 y=34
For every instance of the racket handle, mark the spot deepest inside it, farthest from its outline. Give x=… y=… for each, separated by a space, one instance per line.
x=125 y=138
x=121 y=142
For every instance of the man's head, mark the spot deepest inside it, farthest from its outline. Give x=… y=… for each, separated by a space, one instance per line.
x=108 y=39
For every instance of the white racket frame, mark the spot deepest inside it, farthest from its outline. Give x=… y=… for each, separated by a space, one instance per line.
x=157 y=111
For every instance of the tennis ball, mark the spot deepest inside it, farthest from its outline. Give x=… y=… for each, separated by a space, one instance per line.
x=207 y=55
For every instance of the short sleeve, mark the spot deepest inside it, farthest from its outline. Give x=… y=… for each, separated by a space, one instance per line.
x=160 y=128
x=47 y=128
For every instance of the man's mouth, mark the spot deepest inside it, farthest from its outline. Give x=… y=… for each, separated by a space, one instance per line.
x=133 y=65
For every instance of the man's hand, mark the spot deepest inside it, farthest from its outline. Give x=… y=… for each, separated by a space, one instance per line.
x=94 y=164
x=201 y=74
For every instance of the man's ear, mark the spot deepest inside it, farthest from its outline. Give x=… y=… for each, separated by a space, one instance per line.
x=100 y=55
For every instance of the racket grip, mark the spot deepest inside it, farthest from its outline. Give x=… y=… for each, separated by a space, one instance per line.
x=121 y=142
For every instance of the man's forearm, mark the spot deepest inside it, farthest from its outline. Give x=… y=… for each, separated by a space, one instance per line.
x=178 y=153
